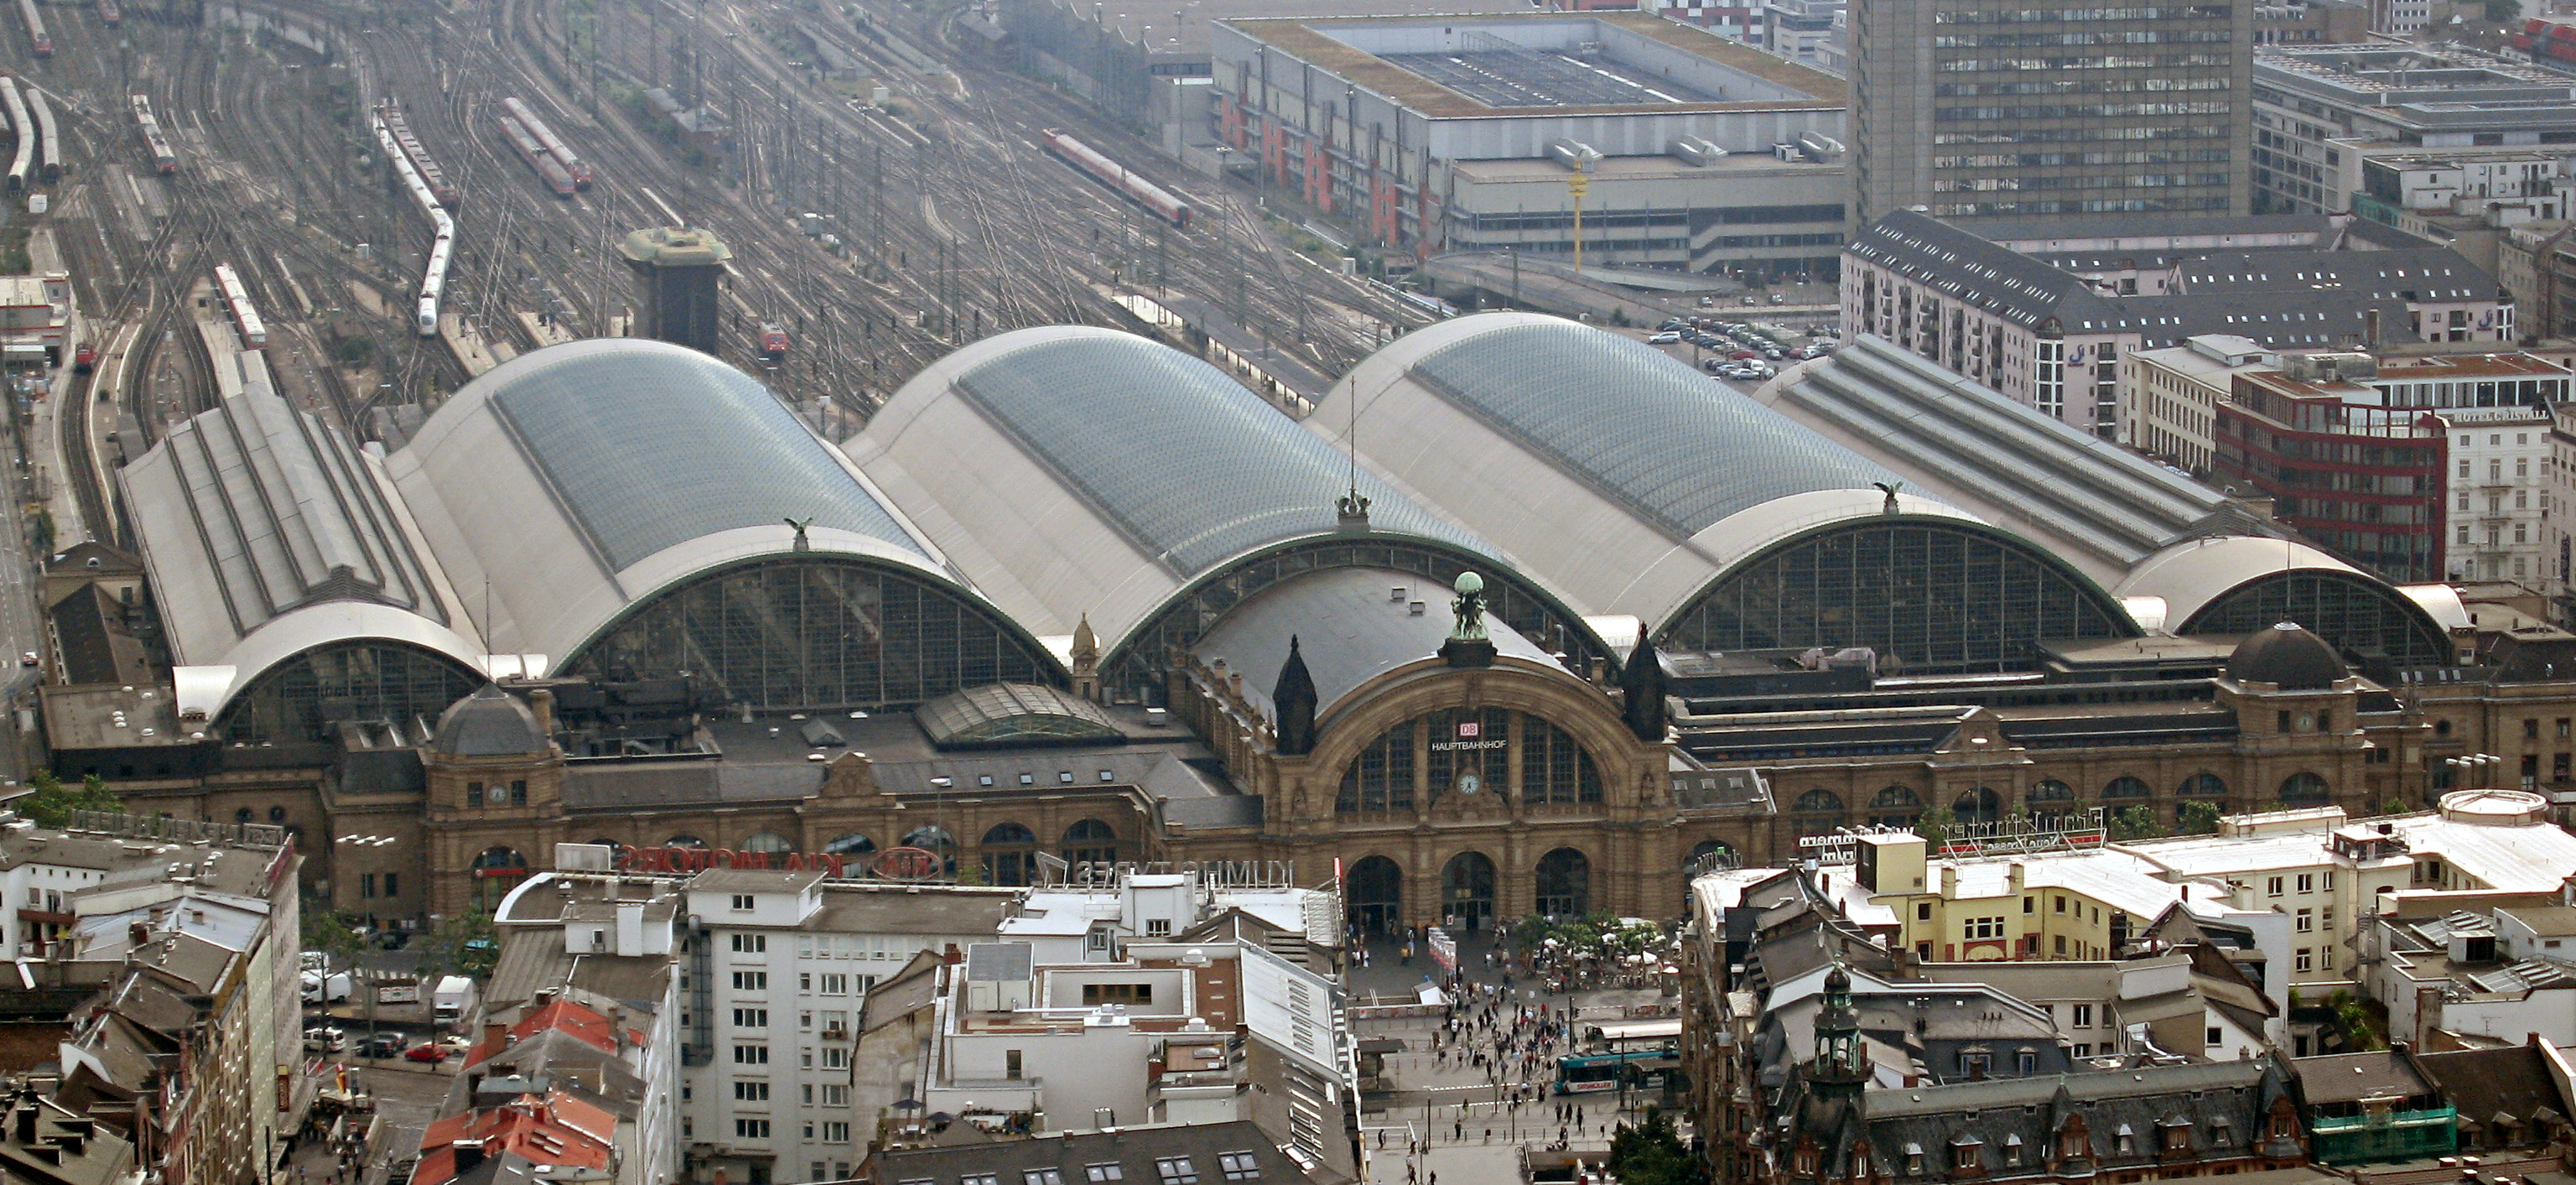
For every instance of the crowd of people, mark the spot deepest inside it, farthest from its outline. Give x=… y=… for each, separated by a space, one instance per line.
x=1509 y=1014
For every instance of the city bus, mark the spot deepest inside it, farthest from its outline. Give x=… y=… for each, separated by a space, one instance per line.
x=1629 y=1036
x=1641 y=1070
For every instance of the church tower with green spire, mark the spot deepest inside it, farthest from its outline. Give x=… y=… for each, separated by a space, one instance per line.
x=1841 y=1067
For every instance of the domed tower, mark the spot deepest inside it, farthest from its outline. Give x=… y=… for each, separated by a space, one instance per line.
x=1840 y=1067
x=2296 y=706
x=2287 y=657
x=494 y=782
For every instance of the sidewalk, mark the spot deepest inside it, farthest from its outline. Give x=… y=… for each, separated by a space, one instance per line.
x=1470 y=1128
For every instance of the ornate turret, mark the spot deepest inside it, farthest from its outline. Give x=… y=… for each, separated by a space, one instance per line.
x=1641 y=687
x=1840 y=1067
x=1085 y=660
x=1293 y=698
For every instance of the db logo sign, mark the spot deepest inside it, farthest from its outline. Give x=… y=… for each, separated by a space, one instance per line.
x=907 y=864
x=1470 y=728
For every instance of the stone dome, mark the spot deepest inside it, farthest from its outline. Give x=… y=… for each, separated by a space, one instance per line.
x=489 y=723
x=2288 y=657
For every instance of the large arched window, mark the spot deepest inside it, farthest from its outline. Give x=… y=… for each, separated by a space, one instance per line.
x=2352 y=612
x=1896 y=806
x=1818 y=801
x=1554 y=769
x=2304 y=789
x=1926 y=594
x=1462 y=752
x=1010 y=855
x=851 y=845
x=1980 y=805
x=2126 y=787
x=297 y=699
x=1565 y=884
x=816 y=631
x=768 y=843
x=2203 y=785
x=1380 y=780
x=1460 y=755
x=1090 y=842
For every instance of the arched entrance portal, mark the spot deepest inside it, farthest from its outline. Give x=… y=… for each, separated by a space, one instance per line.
x=1564 y=884
x=1375 y=893
x=1467 y=890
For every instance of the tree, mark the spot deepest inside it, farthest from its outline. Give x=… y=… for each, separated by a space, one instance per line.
x=333 y=935
x=49 y=803
x=2198 y=818
x=1934 y=826
x=1651 y=1152
x=464 y=944
x=2137 y=822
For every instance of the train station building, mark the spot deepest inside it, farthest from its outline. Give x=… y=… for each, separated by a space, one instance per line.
x=1074 y=599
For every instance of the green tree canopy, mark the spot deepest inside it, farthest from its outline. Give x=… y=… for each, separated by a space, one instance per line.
x=1651 y=1152
x=2137 y=822
x=49 y=803
x=465 y=944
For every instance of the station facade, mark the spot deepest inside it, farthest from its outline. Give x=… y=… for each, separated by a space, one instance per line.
x=1073 y=599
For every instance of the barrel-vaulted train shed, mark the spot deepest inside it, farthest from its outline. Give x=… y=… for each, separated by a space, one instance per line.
x=1080 y=508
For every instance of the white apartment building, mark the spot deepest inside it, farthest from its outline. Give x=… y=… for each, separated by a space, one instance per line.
x=774 y=970
x=2508 y=499
x=2328 y=875
x=2169 y=397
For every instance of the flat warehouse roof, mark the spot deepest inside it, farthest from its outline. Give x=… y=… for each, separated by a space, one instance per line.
x=1470 y=86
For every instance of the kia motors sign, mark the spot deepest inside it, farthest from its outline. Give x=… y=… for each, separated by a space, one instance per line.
x=908 y=864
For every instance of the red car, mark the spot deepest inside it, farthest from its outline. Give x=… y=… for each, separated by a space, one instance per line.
x=432 y=1053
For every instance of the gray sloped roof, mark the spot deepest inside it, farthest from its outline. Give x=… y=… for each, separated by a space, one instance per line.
x=1628 y=419
x=1069 y=470
x=650 y=445
x=2104 y=507
x=1186 y=463
x=564 y=486
x=258 y=507
x=1612 y=473
x=2280 y=297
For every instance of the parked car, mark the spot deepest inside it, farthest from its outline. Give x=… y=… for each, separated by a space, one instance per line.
x=1665 y=338
x=321 y=989
x=455 y=1044
x=381 y=1045
x=427 y=1051
x=325 y=1039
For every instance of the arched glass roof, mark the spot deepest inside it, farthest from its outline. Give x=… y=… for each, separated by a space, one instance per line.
x=1068 y=471
x=565 y=487
x=651 y=445
x=1015 y=714
x=1616 y=474
x=1185 y=462
x=1634 y=423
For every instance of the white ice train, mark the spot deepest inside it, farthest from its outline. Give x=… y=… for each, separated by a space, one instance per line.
x=433 y=279
x=254 y=332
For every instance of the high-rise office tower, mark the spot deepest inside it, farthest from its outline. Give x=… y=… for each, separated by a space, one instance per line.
x=2023 y=107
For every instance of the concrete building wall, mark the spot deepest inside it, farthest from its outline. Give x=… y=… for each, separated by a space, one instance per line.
x=1972 y=107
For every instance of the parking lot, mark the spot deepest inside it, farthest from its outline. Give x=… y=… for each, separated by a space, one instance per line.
x=1742 y=346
